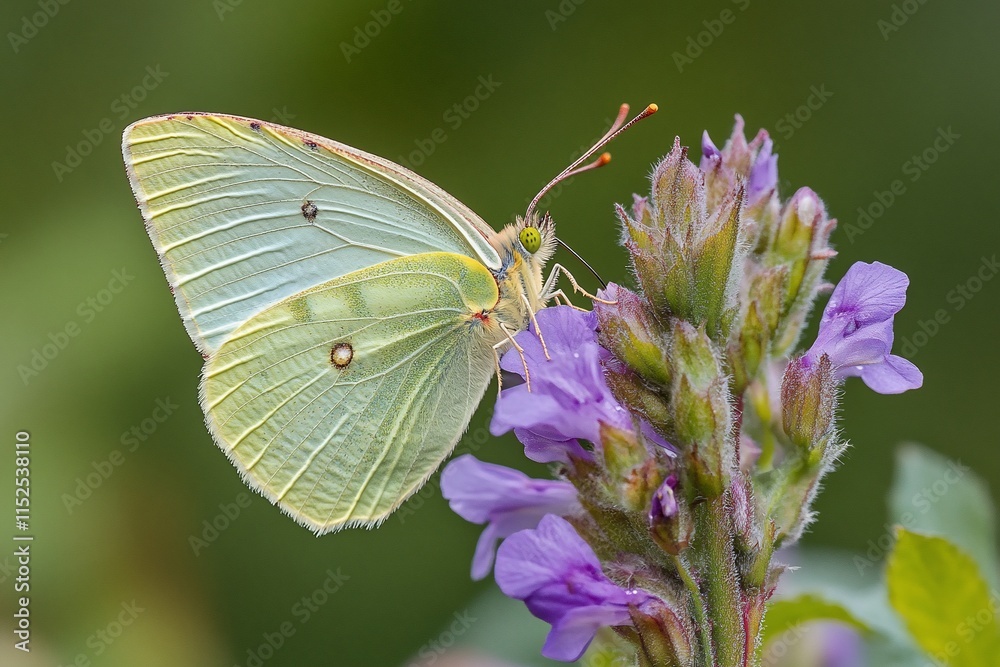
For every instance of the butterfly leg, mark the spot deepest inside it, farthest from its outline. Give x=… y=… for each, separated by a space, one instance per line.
x=559 y=294
x=538 y=329
x=550 y=283
x=496 y=357
x=520 y=352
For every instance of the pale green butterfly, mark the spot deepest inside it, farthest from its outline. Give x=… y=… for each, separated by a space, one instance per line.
x=350 y=312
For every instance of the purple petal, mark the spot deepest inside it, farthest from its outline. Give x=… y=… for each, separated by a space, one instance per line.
x=664 y=503
x=865 y=345
x=519 y=408
x=657 y=439
x=541 y=449
x=482 y=560
x=710 y=154
x=507 y=499
x=531 y=559
x=560 y=579
x=893 y=376
x=842 y=646
x=569 y=397
x=572 y=634
x=474 y=489
x=856 y=329
x=869 y=293
x=764 y=173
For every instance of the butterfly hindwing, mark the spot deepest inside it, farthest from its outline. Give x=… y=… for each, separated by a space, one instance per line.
x=338 y=403
x=245 y=213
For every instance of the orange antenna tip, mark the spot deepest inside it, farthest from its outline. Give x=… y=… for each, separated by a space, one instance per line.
x=652 y=108
x=604 y=159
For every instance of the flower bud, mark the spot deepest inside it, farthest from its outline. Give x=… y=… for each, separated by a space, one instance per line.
x=700 y=403
x=753 y=164
x=642 y=399
x=622 y=452
x=627 y=329
x=750 y=346
x=687 y=255
x=808 y=402
x=754 y=543
x=666 y=636
x=800 y=243
x=670 y=523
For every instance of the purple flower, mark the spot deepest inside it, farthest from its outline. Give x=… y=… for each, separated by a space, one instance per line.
x=569 y=397
x=763 y=173
x=856 y=329
x=664 y=503
x=710 y=153
x=755 y=162
x=560 y=580
x=506 y=500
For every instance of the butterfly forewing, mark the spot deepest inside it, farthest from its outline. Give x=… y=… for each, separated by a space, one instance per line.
x=244 y=213
x=339 y=402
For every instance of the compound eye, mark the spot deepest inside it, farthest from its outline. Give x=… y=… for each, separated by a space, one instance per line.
x=531 y=239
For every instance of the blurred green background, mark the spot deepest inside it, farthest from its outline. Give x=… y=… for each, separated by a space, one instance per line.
x=72 y=85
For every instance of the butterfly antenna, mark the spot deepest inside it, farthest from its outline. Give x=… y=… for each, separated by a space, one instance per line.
x=617 y=128
x=580 y=259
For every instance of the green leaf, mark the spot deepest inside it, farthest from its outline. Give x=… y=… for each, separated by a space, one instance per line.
x=934 y=495
x=783 y=615
x=944 y=602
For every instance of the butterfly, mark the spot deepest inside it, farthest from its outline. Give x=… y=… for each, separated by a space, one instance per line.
x=350 y=313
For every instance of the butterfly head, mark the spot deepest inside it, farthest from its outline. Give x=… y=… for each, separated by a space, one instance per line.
x=536 y=238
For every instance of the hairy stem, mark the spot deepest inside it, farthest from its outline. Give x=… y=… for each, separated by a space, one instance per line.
x=700 y=614
x=720 y=579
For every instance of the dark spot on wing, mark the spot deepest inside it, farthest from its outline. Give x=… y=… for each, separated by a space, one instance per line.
x=309 y=211
x=255 y=126
x=341 y=355
x=311 y=144
x=189 y=117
